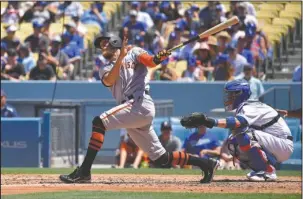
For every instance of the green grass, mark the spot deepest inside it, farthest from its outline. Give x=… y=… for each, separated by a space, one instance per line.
x=134 y=171
x=145 y=195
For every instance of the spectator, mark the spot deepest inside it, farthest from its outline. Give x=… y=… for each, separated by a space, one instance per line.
x=232 y=9
x=153 y=9
x=240 y=42
x=237 y=61
x=227 y=161
x=3 y=55
x=142 y=16
x=42 y=71
x=37 y=40
x=26 y=58
x=255 y=84
x=223 y=69
x=160 y=31
x=59 y=60
x=130 y=154
x=6 y=109
x=167 y=10
x=12 y=70
x=139 y=41
x=297 y=75
x=202 y=144
x=10 y=15
x=71 y=30
x=10 y=39
x=207 y=14
x=223 y=39
x=213 y=47
x=179 y=30
x=195 y=12
x=188 y=49
x=81 y=29
x=168 y=140
x=164 y=73
x=68 y=8
x=193 y=73
x=219 y=16
x=256 y=44
x=100 y=61
x=95 y=15
x=70 y=48
x=188 y=23
x=134 y=27
x=176 y=10
x=37 y=12
x=202 y=52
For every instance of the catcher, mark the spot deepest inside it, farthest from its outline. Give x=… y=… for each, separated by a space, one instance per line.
x=260 y=137
x=126 y=75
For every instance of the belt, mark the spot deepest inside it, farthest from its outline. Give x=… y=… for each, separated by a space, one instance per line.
x=132 y=96
x=289 y=137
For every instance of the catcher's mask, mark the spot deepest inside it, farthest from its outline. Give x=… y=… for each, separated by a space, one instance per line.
x=236 y=92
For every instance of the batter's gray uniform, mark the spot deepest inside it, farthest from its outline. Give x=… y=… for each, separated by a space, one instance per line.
x=136 y=110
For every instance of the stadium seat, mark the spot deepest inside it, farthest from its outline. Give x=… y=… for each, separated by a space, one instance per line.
x=265 y=14
x=180 y=67
x=295 y=132
x=283 y=21
x=295 y=160
x=293 y=7
x=269 y=6
x=292 y=15
x=292 y=121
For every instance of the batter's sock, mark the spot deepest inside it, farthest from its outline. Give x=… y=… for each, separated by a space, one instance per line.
x=182 y=158
x=94 y=146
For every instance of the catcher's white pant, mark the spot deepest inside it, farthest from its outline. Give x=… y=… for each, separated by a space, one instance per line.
x=136 y=117
x=281 y=148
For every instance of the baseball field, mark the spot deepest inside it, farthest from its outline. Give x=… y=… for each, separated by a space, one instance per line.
x=30 y=183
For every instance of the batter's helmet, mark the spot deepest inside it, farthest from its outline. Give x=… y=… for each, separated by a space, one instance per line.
x=114 y=41
x=237 y=92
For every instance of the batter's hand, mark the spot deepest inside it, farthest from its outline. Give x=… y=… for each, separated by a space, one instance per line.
x=160 y=56
x=124 y=48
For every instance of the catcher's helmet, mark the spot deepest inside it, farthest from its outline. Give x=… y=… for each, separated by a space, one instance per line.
x=114 y=41
x=236 y=92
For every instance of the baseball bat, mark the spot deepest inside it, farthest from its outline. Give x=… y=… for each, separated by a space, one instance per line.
x=232 y=21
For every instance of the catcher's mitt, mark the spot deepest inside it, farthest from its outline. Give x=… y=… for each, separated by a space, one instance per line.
x=196 y=120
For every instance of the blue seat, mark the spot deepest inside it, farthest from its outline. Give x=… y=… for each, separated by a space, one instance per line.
x=295 y=132
x=295 y=160
x=292 y=121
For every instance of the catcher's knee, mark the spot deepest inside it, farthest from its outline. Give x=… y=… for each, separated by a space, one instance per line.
x=98 y=125
x=164 y=159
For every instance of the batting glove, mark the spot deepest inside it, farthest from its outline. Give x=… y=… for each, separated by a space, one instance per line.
x=160 y=56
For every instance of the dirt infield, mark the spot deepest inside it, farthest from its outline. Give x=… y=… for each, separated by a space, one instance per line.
x=33 y=183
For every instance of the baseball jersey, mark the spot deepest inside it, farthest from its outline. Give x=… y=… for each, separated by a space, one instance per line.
x=197 y=142
x=257 y=113
x=133 y=76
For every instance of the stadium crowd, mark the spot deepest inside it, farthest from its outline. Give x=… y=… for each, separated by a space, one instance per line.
x=231 y=54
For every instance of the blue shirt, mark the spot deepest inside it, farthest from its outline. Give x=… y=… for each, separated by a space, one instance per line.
x=78 y=40
x=196 y=143
x=8 y=111
x=297 y=75
x=89 y=17
x=248 y=55
x=72 y=50
x=28 y=63
x=135 y=29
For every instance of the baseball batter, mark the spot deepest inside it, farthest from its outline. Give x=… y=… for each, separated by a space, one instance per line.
x=126 y=76
x=260 y=137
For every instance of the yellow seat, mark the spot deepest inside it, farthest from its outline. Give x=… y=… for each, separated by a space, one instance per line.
x=92 y=30
x=264 y=21
x=85 y=4
x=284 y=21
x=56 y=28
x=267 y=13
x=269 y=30
x=180 y=66
x=292 y=15
x=291 y=6
x=266 y=6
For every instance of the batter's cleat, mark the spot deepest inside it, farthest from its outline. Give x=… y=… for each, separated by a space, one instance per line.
x=76 y=176
x=210 y=171
x=262 y=176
